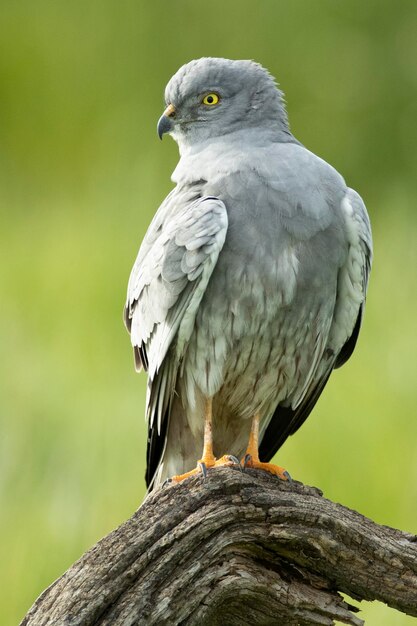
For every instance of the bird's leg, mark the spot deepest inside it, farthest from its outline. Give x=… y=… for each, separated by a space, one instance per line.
x=208 y=459
x=251 y=458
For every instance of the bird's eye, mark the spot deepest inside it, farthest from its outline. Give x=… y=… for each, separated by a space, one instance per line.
x=210 y=99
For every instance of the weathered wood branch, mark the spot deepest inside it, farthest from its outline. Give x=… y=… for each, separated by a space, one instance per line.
x=237 y=548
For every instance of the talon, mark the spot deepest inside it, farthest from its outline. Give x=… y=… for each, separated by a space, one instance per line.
x=246 y=460
x=203 y=468
x=287 y=476
x=228 y=460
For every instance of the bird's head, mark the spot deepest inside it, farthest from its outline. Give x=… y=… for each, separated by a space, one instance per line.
x=212 y=97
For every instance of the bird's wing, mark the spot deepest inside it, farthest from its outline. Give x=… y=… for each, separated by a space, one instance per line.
x=166 y=286
x=352 y=286
x=354 y=277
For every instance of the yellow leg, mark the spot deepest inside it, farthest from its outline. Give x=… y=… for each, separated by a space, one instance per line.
x=208 y=459
x=251 y=458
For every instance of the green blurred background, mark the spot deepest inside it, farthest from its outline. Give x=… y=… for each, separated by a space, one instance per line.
x=82 y=172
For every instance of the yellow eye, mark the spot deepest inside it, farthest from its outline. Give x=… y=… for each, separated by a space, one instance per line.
x=210 y=99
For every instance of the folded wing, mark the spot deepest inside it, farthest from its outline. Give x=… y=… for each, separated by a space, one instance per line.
x=167 y=283
x=344 y=330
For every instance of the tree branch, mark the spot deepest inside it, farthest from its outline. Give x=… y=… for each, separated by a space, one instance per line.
x=237 y=548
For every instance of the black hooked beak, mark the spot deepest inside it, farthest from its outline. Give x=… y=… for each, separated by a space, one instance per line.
x=165 y=122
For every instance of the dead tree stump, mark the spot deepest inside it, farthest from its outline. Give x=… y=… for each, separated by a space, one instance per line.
x=237 y=548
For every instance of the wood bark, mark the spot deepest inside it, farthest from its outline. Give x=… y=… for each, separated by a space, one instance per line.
x=232 y=549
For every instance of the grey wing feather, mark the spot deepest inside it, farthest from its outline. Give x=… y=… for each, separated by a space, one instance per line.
x=353 y=278
x=348 y=312
x=166 y=286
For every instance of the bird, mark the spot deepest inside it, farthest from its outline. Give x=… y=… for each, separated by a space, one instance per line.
x=249 y=286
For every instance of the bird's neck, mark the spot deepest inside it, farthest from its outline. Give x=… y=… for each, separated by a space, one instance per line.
x=251 y=136
x=201 y=160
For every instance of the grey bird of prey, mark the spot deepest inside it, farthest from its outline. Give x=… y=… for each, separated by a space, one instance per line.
x=249 y=286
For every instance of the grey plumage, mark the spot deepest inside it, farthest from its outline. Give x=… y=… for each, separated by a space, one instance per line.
x=250 y=283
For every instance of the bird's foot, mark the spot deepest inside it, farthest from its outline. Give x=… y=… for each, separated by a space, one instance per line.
x=200 y=469
x=205 y=464
x=227 y=460
x=249 y=461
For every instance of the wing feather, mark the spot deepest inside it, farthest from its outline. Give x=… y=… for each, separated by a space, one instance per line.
x=352 y=287
x=167 y=283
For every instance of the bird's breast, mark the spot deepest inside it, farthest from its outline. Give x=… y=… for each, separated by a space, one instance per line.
x=270 y=297
x=241 y=331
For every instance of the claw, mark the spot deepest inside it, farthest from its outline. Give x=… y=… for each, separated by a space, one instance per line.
x=203 y=468
x=228 y=459
x=246 y=460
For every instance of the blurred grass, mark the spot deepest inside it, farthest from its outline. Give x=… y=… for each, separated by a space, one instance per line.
x=82 y=172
